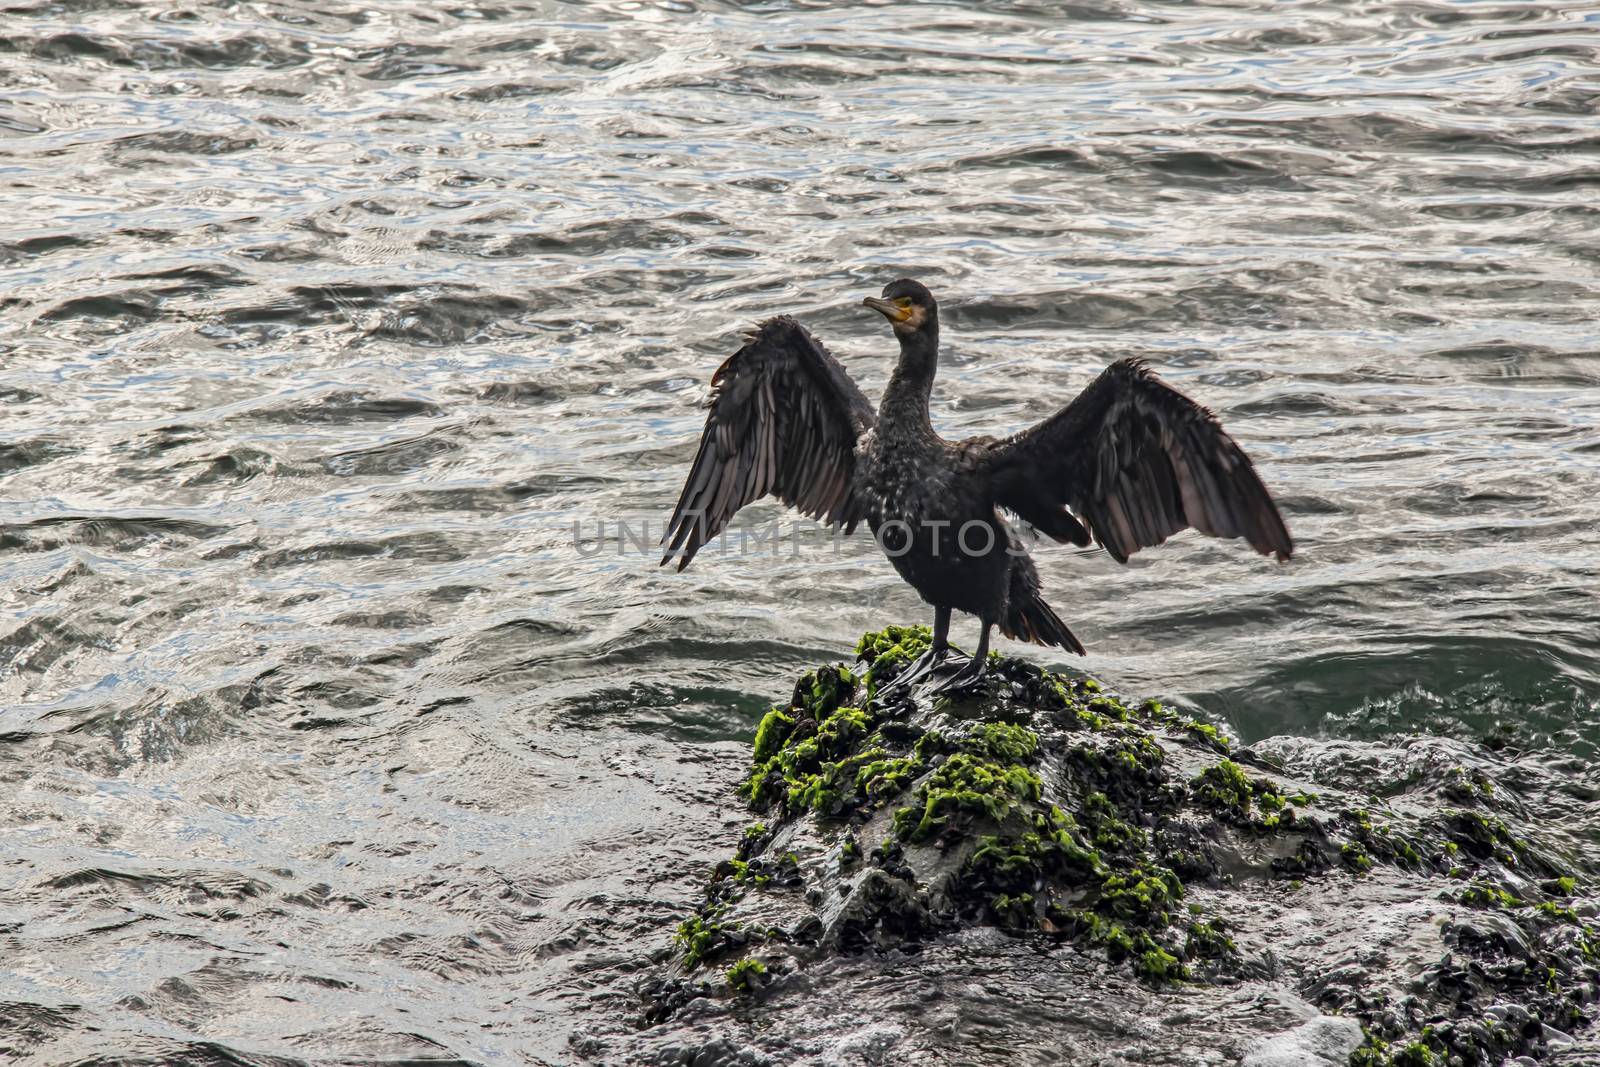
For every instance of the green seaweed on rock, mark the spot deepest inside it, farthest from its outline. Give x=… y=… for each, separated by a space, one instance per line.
x=746 y=975
x=1045 y=807
x=697 y=937
x=888 y=651
x=770 y=735
x=1225 y=788
x=966 y=784
x=1005 y=741
x=884 y=778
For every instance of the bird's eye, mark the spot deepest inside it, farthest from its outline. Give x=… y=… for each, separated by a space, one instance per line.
x=903 y=301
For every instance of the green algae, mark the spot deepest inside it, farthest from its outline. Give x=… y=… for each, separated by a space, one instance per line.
x=1555 y=911
x=1126 y=765
x=988 y=792
x=1005 y=741
x=1158 y=965
x=1486 y=837
x=1082 y=716
x=891 y=641
x=746 y=975
x=1355 y=857
x=1377 y=1053
x=1537 y=955
x=1225 y=788
x=1139 y=895
x=698 y=938
x=849 y=851
x=1488 y=896
x=1379 y=842
x=761 y=871
x=1109 y=709
x=966 y=784
x=1258 y=803
x=1467 y=788
x=1107 y=830
x=831 y=790
x=1048 y=852
x=1149 y=958
x=815 y=771
x=930 y=744
x=888 y=651
x=841 y=727
x=885 y=778
x=824 y=690
x=1208 y=940
x=770 y=735
x=1046 y=808
x=1216 y=739
x=1202 y=732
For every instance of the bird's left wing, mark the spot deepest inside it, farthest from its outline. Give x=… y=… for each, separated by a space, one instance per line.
x=785 y=419
x=1137 y=461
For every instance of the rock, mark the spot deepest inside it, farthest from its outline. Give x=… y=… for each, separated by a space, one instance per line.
x=1141 y=858
x=1326 y=1041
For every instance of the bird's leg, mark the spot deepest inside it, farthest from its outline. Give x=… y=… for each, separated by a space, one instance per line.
x=924 y=664
x=970 y=674
x=941 y=633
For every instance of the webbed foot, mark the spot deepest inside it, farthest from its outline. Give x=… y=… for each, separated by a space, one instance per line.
x=967 y=677
x=917 y=669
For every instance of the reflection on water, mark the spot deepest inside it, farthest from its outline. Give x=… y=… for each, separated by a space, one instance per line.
x=321 y=326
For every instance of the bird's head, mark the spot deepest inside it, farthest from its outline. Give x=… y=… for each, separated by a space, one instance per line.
x=907 y=305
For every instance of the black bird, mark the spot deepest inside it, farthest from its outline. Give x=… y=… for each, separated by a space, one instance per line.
x=1130 y=462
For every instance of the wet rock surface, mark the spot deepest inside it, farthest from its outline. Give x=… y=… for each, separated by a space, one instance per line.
x=922 y=870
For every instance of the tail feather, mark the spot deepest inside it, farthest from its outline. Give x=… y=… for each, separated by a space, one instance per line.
x=1037 y=622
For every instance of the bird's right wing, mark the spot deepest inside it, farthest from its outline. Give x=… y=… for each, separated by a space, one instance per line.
x=785 y=418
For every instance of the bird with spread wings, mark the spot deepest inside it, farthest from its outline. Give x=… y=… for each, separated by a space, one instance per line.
x=1128 y=463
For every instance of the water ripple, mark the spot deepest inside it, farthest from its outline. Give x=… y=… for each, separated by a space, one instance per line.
x=329 y=329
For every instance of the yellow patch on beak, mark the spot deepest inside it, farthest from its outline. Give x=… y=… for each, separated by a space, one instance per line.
x=894 y=310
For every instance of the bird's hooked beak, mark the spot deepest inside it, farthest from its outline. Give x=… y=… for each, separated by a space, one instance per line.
x=890 y=309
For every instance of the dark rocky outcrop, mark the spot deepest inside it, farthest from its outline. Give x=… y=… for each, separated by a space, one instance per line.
x=1441 y=930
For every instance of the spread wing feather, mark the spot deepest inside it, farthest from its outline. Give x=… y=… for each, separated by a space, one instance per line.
x=1136 y=461
x=785 y=419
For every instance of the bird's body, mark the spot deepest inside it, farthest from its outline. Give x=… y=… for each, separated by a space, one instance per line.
x=930 y=508
x=1131 y=461
x=925 y=501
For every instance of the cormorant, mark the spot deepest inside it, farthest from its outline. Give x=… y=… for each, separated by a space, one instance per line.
x=1130 y=462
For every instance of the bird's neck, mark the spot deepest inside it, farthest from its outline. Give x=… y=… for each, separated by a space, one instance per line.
x=905 y=401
